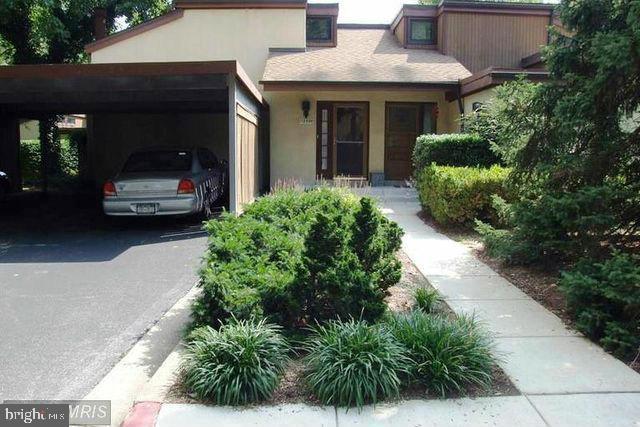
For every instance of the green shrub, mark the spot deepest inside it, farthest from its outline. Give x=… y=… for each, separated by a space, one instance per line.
x=349 y=264
x=249 y=270
x=460 y=194
x=30 y=160
x=296 y=257
x=240 y=363
x=353 y=363
x=448 y=354
x=428 y=300
x=605 y=300
x=453 y=150
x=564 y=226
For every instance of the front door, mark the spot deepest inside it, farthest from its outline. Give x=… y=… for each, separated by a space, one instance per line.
x=342 y=139
x=404 y=123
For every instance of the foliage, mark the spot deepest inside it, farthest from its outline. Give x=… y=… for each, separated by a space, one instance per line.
x=563 y=226
x=237 y=364
x=453 y=150
x=249 y=271
x=30 y=159
x=575 y=151
x=42 y=31
x=297 y=257
x=352 y=363
x=448 y=354
x=428 y=300
x=460 y=194
x=605 y=299
x=499 y=121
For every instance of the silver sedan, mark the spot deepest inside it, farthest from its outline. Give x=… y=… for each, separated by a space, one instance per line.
x=166 y=181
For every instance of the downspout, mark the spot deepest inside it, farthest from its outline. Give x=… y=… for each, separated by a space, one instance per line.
x=460 y=104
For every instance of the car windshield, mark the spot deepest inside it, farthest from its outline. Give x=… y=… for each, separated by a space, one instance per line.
x=159 y=161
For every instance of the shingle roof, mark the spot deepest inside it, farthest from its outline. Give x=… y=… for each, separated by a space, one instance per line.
x=364 y=55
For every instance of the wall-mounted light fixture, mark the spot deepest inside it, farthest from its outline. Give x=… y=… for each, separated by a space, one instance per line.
x=306 y=107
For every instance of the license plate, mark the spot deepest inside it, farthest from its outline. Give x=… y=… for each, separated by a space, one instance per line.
x=146 y=208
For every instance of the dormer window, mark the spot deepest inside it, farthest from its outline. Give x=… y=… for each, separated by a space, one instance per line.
x=421 y=31
x=320 y=29
x=322 y=24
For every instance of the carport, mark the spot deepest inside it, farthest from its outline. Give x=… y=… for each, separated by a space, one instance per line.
x=138 y=104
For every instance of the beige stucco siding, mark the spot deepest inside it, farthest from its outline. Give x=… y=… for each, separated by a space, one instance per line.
x=244 y=35
x=482 y=97
x=293 y=143
x=29 y=130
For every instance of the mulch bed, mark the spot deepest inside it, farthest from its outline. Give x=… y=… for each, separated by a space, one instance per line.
x=292 y=387
x=541 y=284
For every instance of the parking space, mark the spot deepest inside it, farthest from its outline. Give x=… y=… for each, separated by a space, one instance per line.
x=77 y=290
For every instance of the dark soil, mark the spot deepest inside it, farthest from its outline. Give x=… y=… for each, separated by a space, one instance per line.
x=541 y=284
x=292 y=387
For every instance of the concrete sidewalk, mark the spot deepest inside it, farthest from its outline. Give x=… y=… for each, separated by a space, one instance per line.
x=565 y=380
x=565 y=377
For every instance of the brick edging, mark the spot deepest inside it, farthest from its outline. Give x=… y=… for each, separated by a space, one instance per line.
x=143 y=414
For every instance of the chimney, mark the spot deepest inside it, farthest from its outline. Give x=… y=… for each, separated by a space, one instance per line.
x=100 y=23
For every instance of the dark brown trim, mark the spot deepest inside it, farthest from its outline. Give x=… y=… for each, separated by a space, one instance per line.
x=491 y=77
x=134 y=31
x=347 y=26
x=322 y=105
x=531 y=60
x=365 y=154
x=334 y=33
x=230 y=4
x=61 y=71
x=497 y=8
x=407 y=32
x=323 y=9
x=277 y=86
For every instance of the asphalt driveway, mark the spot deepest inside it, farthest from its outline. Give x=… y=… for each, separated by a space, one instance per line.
x=73 y=301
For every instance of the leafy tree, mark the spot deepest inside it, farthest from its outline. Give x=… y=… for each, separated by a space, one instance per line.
x=576 y=158
x=55 y=31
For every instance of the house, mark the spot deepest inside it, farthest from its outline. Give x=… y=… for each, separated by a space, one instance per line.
x=29 y=129
x=283 y=91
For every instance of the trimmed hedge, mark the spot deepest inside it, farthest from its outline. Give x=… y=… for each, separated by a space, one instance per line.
x=458 y=195
x=456 y=149
x=296 y=257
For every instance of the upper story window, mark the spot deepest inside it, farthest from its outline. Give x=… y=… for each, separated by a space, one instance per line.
x=320 y=29
x=422 y=31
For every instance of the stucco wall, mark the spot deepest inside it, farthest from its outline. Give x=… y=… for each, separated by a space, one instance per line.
x=483 y=97
x=293 y=144
x=244 y=35
x=29 y=130
x=115 y=136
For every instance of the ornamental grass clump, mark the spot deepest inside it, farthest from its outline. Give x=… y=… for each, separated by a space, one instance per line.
x=449 y=354
x=428 y=300
x=239 y=363
x=353 y=363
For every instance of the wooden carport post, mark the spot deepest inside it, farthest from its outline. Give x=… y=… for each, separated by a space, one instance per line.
x=10 y=150
x=233 y=149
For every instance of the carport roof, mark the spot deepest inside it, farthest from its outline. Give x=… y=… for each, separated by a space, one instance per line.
x=132 y=87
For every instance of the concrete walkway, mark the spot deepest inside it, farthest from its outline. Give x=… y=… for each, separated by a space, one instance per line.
x=565 y=379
